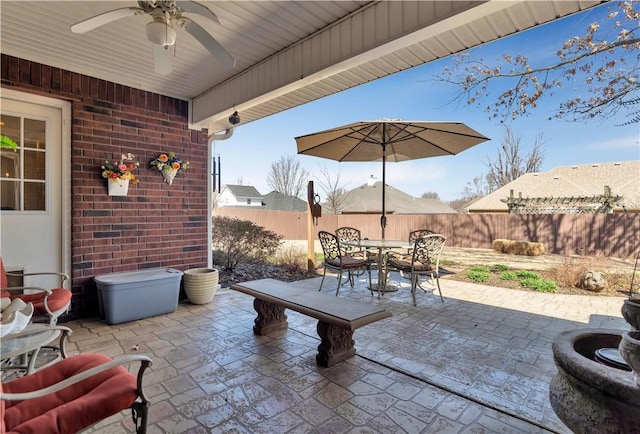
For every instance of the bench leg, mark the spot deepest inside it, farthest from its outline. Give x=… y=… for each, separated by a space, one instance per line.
x=270 y=317
x=336 y=344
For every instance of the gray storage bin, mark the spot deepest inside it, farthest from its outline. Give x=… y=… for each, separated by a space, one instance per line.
x=138 y=294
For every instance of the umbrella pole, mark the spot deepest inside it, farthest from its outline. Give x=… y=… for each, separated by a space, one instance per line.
x=383 y=219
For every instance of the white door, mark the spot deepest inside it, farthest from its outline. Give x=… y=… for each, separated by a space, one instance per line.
x=33 y=216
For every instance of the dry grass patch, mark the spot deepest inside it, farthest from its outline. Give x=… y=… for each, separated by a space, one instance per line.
x=522 y=248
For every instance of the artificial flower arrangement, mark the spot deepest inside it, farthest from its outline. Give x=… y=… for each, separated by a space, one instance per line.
x=169 y=165
x=121 y=169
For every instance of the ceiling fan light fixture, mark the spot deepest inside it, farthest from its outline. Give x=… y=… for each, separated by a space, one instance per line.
x=159 y=32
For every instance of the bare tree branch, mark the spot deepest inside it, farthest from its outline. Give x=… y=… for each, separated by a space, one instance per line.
x=287 y=176
x=609 y=70
x=333 y=189
x=430 y=195
x=511 y=163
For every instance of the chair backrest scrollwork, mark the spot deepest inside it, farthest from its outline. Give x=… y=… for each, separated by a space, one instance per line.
x=413 y=235
x=347 y=233
x=330 y=246
x=427 y=250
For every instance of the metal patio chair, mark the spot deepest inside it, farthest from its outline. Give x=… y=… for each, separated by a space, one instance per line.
x=335 y=260
x=423 y=261
x=73 y=394
x=48 y=304
x=347 y=233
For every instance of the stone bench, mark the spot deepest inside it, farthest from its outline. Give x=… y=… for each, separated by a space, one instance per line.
x=337 y=317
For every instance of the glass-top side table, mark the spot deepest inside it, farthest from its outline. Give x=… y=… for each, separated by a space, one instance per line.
x=19 y=351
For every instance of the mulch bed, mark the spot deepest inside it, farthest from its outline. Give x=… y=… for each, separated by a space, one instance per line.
x=616 y=287
x=245 y=273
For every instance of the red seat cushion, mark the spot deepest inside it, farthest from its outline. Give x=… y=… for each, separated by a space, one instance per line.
x=59 y=299
x=73 y=408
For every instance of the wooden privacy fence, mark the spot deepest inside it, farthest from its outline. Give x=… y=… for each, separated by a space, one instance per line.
x=615 y=235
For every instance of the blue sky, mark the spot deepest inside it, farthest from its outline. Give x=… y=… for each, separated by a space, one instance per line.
x=414 y=95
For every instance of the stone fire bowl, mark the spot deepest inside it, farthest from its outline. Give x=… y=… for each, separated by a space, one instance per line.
x=590 y=397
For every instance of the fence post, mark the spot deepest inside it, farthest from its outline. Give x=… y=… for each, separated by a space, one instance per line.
x=310 y=237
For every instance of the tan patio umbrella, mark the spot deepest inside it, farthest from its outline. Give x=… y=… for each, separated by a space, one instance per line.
x=389 y=140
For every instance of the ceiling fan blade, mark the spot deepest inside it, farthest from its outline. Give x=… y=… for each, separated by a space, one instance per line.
x=197 y=8
x=161 y=59
x=209 y=43
x=105 y=18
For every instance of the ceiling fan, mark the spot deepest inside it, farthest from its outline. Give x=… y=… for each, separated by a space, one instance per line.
x=166 y=15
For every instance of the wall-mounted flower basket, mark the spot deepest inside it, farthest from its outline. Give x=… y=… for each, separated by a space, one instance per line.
x=168 y=175
x=118 y=187
x=169 y=165
x=119 y=174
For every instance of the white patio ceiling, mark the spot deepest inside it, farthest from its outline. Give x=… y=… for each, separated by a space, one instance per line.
x=287 y=53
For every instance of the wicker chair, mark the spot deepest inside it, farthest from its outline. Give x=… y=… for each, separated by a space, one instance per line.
x=335 y=260
x=423 y=261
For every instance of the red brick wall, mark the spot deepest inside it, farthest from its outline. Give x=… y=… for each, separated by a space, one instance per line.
x=155 y=225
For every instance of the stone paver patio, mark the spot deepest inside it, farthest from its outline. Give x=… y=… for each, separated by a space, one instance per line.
x=480 y=362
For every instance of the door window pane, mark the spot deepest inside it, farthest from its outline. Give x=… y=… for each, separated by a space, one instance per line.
x=23 y=172
x=35 y=134
x=34 y=165
x=9 y=164
x=10 y=195
x=10 y=127
x=34 y=199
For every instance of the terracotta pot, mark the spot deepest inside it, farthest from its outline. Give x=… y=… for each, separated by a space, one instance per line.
x=200 y=284
x=590 y=397
x=630 y=352
x=631 y=313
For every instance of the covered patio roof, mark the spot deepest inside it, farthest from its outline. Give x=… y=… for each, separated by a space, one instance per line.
x=287 y=53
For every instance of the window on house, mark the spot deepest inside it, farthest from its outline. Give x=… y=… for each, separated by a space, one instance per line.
x=23 y=177
x=248 y=201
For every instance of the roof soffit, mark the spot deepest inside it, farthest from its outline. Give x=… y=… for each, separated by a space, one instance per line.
x=375 y=41
x=288 y=53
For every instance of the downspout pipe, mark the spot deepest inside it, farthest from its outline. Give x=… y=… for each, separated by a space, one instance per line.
x=222 y=136
x=210 y=139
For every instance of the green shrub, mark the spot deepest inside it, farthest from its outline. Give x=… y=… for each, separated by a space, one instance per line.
x=242 y=241
x=538 y=284
x=525 y=274
x=500 y=267
x=508 y=275
x=478 y=274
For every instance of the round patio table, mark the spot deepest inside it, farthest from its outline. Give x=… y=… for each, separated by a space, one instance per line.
x=383 y=247
x=20 y=350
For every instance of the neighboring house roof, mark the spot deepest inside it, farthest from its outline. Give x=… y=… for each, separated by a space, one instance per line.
x=367 y=199
x=243 y=191
x=571 y=181
x=281 y=202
